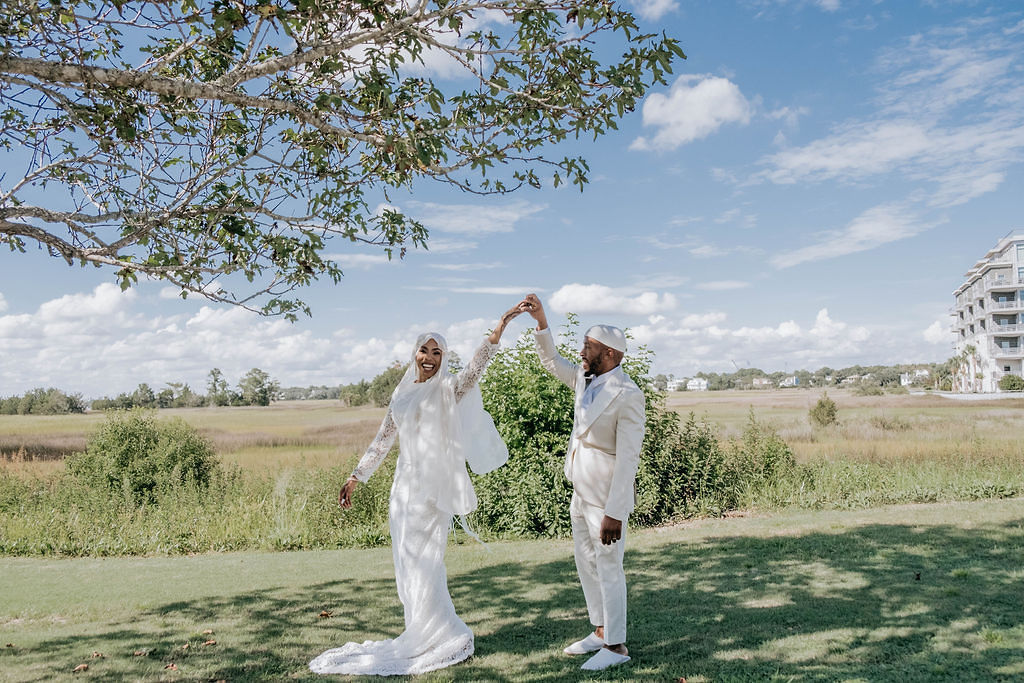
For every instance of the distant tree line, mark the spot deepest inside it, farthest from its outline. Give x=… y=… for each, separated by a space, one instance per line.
x=42 y=402
x=256 y=388
x=864 y=377
x=376 y=391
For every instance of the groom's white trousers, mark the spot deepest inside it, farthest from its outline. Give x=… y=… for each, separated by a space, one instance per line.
x=600 y=570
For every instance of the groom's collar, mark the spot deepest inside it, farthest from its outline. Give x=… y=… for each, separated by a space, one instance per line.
x=597 y=381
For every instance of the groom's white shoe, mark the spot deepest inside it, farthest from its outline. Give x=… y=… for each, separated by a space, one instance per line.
x=604 y=659
x=589 y=644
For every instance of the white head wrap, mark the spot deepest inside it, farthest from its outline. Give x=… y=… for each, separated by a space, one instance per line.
x=612 y=337
x=450 y=433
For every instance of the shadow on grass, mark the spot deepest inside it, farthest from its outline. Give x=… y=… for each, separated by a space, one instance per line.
x=876 y=603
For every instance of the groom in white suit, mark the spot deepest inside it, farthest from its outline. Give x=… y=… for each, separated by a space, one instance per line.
x=601 y=463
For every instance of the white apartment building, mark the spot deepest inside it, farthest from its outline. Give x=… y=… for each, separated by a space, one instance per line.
x=988 y=318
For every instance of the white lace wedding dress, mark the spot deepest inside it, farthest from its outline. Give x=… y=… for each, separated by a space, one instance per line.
x=434 y=636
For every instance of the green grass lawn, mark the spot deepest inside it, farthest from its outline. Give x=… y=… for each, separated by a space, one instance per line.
x=909 y=593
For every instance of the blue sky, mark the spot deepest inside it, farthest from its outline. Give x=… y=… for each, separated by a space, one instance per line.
x=807 y=191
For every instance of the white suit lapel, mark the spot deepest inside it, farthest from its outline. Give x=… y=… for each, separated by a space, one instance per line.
x=612 y=388
x=581 y=386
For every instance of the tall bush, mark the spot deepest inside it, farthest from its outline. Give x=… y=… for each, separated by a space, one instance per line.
x=759 y=457
x=533 y=411
x=383 y=385
x=1011 y=383
x=139 y=456
x=825 y=412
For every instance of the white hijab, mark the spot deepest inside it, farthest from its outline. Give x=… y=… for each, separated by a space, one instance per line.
x=448 y=433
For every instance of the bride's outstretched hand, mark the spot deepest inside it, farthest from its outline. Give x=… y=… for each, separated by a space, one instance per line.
x=506 y=318
x=531 y=304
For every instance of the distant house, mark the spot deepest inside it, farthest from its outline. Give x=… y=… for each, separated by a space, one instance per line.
x=675 y=384
x=791 y=381
x=852 y=379
x=697 y=384
x=761 y=383
x=918 y=375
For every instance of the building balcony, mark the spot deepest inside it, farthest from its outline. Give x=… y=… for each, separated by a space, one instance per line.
x=1007 y=351
x=1002 y=283
x=1015 y=328
x=1006 y=305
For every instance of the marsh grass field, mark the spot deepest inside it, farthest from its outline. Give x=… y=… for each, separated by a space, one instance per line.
x=894 y=552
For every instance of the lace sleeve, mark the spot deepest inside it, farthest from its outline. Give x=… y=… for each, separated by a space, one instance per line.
x=378 y=449
x=471 y=374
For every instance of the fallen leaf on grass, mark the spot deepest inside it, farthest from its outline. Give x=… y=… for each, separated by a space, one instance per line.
x=10 y=644
x=207 y=631
x=97 y=655
x=185 y=646
x=211 y=641
x=171 y=667
x=80 y=667
x=140 y=653
x=326 y=614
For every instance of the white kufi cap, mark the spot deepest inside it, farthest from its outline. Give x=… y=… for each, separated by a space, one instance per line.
x=612 y=337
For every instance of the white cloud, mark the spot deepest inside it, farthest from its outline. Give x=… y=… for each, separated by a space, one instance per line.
x=168 y=293
x=105 y=342
x=105 y=300
x=438 y=63
x=825 y=5
x=440 y=245
x=876 y=226
x=661 y=280
x=465 y=266
x=938 y=332
x=514 y=290
x=790 y=116
x=698 y=249
x=857 y=151
x=3 y=303
x=949 y=117
x=472 y=219
x=580 y=298
x=722 y=285
x=361 y=261
x=737 y=217
x=653 y=10
x=695 y=107
x=707 y=342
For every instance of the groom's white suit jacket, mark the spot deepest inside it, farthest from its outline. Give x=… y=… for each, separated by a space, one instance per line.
x=604 y=450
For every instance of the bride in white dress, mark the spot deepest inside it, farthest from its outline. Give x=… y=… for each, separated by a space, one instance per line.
x=442 y=425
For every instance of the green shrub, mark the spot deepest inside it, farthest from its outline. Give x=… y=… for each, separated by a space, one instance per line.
x=759 y=458
x=533 y=413
x=139 y=456
x=889 y=424
x=869 y=389
x=825 y=412
x=1011 y=383
x=682 y=469
x=383 y=385
x=681 y=466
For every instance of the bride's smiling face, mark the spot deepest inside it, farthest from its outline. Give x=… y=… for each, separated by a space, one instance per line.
x=428 y=360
